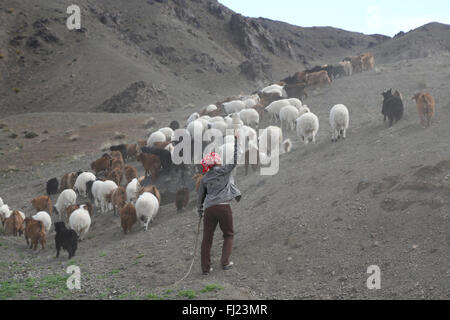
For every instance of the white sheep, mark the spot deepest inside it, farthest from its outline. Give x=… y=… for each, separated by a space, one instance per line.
x=44 y=217
x=275 y=107
x=132 y=188
x=195 y=129
x=229 y=121
x=81 y=181
x=288 y=115
x=5 y=212
x=147 y=207
x=192 y=117
x=216 y=119
x=168 y=132
x=211 y=108
x=250 y=103
x=67 y=198
x=275 y=88
x=250 y=117
x=80 y=222
x=157 y=136
x=339 y=120
x=295 y=102
x=303 y=109
x=105 y=189
x=307 y=127
x=266 y=137
x=233 y=106
x=204 y=121
x=219 y=125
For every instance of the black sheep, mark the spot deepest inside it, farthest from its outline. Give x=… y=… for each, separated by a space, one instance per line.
x=338 y=71
x=52 y=186
x=392 y=107
x=122 y=148
x=66 y=239
x=174 y=125
x=164 y=156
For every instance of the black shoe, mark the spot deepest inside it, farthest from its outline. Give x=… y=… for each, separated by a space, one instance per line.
x=228 y=266
x=208 y=272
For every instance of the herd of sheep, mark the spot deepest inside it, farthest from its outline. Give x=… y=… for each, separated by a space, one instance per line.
x=104 y=190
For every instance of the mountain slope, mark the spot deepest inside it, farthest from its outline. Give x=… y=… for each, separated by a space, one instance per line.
x=183 y=52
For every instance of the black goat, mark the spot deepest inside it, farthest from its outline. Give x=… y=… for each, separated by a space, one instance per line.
x=66 y=239
x=392 y=107
x=52 y=186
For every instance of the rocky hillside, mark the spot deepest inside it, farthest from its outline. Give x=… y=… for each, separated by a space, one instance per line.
x=147 y=56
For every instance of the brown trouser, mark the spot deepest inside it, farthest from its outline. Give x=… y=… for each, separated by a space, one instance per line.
x=218 y=214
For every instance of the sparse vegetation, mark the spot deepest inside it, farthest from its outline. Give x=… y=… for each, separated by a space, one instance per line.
x=10 y=289
x=189 y=294
x=211 y=288
x=152 y=296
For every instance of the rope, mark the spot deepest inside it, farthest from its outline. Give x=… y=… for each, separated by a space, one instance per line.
x=193 y=258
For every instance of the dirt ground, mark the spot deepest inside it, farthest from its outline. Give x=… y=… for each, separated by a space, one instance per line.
x=381 y=197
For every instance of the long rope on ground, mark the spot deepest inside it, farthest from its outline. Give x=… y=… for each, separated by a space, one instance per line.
x=195 y=252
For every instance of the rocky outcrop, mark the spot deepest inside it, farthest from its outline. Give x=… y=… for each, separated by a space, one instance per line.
x=138 y=97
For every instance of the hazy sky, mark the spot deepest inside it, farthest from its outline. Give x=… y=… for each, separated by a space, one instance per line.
x=380 y=16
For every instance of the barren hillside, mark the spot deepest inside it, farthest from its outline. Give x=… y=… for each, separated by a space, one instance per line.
x=381 y=197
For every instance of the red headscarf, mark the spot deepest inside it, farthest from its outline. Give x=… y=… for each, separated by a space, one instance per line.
x=210 y=161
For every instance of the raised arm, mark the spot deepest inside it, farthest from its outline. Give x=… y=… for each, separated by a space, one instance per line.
x=229 y=167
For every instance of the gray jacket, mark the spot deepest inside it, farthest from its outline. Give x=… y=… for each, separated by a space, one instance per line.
x=217 y=186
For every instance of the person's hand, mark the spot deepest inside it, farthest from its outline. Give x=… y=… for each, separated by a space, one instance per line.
x=200 y=213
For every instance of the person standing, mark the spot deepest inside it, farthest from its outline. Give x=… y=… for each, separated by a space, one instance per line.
x=217 y=190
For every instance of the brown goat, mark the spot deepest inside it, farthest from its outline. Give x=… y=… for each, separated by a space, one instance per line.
x=128 y=217
x=142 y=143
x=426 y=107
x=150 y=189
x=132 y=151
x=130 y=173
x=35 y=231
x=43 y=203
x=141 y=179
x=118 y=198
x=14 y=224
x=151 y=163
x=161 y=145
x=368 y=62
x=267 y=98
x=260 y=109
x=116 y=164
x=357 y=64
x=115 y=175
x=182 y=199
x=198 y=179
x=101 y=164
x=320 y=78
x=68 y=181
